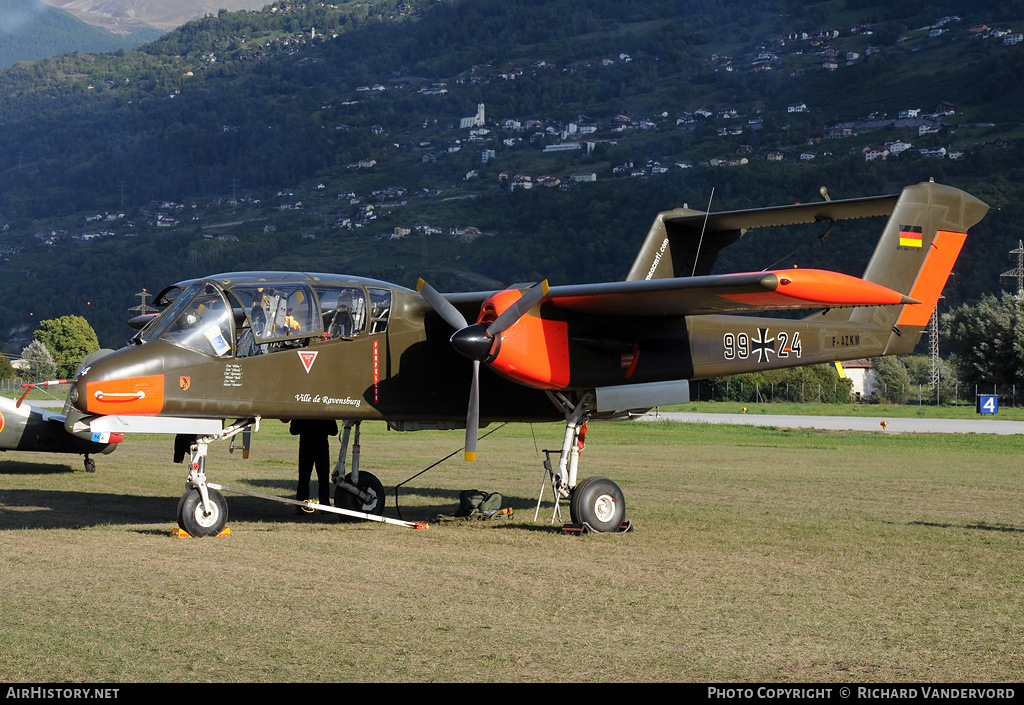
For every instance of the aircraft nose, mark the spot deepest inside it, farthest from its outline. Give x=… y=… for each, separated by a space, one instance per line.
x=126 y=382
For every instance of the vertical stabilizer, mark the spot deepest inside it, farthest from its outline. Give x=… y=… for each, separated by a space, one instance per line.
x=915 y=256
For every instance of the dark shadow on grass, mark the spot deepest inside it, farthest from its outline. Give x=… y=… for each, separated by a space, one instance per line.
x=56 y=509
x=17 y=467
x=980 y=527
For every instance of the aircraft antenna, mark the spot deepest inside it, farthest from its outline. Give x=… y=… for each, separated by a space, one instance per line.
x=143 y=307
x=707 y=213
x=1019 y=271
x=820 y=238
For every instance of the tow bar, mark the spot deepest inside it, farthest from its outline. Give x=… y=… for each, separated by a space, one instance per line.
x=310 y=506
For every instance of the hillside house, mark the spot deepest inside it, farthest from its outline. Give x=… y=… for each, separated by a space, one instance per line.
x=897 y=146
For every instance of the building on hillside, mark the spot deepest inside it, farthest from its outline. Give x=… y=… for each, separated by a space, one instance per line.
x=474 y=120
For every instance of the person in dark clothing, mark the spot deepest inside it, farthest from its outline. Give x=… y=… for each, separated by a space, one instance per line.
x=314 y=450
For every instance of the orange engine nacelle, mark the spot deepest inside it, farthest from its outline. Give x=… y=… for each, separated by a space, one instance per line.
x=534 y=351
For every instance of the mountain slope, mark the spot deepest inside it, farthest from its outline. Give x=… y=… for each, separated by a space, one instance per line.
x=124 y=16
x=316 y=136
x=30 y=30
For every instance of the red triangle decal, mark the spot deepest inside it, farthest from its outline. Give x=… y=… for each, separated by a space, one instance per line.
x=307 y=357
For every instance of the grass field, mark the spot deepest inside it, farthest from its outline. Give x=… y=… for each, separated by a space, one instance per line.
x=757 y=555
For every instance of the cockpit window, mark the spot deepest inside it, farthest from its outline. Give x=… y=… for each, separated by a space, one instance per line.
x=201 y=322
x=279 y=312
x=154 y=329
x=343 y=309
x=380 y=309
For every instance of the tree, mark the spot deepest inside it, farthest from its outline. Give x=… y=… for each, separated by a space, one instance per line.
x=987 y=340
x=892 y=380
x=40 y=362
x=69 y=339
x=7 y=370
x=806 y=383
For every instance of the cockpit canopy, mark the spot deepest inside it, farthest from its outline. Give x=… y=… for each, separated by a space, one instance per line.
x=255 y=317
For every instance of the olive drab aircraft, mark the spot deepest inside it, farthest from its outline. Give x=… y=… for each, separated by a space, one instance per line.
x=231 y=349
x=32 y=428
x=24 y=427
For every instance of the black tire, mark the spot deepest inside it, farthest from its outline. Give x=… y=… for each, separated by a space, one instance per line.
x=192 y=519
x=367 y=483
x=599 y=503
x=574 y=512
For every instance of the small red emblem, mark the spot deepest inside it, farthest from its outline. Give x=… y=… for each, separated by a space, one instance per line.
x=184 y=382
x=307 y=357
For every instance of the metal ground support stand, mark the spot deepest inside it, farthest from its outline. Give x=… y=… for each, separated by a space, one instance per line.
x=548 y=472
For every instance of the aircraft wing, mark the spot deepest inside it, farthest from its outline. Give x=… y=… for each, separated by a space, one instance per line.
x=781 y=290
x=754 y=292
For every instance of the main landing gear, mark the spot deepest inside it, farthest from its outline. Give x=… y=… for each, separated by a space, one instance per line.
x=203 y=511
x=355 y=491
x=595 y=503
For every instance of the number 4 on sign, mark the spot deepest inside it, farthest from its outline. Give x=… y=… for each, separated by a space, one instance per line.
x=988 y=404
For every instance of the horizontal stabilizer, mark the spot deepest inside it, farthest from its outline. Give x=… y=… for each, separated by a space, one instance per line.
x=685 y=242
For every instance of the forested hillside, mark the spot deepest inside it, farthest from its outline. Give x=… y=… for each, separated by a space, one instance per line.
x=347 y=137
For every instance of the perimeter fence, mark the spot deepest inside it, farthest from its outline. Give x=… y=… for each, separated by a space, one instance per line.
x=951 y=394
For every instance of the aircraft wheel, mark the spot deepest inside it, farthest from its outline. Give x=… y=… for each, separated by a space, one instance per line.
x=192 y=519
x=599 y=502
x=90 y=464
x=577 y=491
x=367 y=483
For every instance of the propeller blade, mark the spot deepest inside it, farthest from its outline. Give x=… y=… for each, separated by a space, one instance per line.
x=441 y=305
x=473 y=415
x=530 y=298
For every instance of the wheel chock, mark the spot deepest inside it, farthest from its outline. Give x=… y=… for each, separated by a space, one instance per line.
x=585 y=528
x=180 y=533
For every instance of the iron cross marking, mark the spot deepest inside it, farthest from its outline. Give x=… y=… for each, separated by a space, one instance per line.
x=763 y=345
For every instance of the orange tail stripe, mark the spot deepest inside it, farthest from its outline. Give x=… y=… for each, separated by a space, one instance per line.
x=942 y=254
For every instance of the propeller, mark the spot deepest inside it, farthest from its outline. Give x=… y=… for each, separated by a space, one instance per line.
x=479 y=342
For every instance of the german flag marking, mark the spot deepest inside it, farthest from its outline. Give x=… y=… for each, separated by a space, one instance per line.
x=910 y=236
